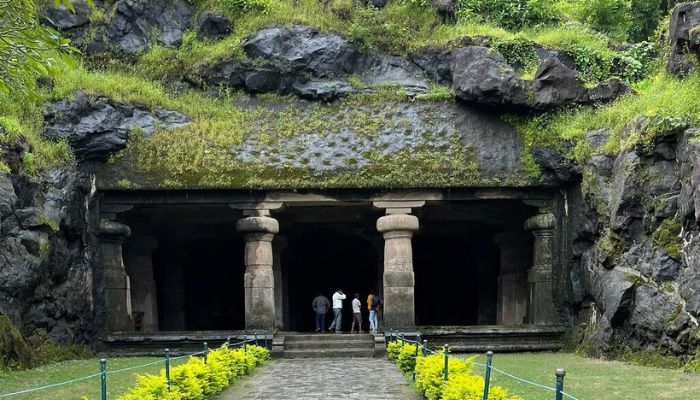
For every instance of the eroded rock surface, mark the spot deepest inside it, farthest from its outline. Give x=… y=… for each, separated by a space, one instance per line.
x=684 y=38
x=97 y=127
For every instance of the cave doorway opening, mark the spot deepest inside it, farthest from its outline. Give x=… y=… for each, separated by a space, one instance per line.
x=199 y=285
x=321 y=258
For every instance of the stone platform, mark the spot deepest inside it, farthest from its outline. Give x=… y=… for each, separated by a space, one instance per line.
x=462 y=339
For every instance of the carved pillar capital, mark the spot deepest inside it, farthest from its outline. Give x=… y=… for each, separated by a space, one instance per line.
x=394 y=224
x=258 y=225
x=112 y=231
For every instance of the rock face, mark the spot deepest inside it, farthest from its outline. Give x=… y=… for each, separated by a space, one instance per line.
x=641 y=267
x=684 y=38
x=482 y=76
x=134 y=20
x=96 y=128
x=312 y=64
x=45 y=272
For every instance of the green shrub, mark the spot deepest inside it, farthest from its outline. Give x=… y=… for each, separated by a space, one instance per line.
x=197 y=380
x=509 y=14
x=244 y=6
x=667 y=236
x=610 y=16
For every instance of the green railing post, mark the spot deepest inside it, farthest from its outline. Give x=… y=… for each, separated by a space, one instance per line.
x=447 y=353
x=487 y=374
x=265 y=341
x=415 y=358
x=560 y=373
x=401 y=337
x=167 y=368
x=245 y=343
x=228 y=341
x=206 y=352
x=425 y=347
x=255 y=335
x=103 y=378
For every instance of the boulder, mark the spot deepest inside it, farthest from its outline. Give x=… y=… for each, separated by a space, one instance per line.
x=556 y=84
x=684 y=38
x=482 y=76
x=97 y=128
x=436 y=63
x=213 y=26
x=557 y=167
x=607 y=91
x=303 y=50
x=63 y=18
x=134 y=21
x=597 y=137
x=657 y=313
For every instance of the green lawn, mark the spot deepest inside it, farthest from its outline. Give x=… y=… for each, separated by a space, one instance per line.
x=590 y=379
x=117 y=383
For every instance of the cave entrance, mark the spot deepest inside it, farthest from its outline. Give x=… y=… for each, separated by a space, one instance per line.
x=460 y=275
x=186 y=269
x=324 y=258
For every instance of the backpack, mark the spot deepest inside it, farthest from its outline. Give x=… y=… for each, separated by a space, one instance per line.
x=375 y=302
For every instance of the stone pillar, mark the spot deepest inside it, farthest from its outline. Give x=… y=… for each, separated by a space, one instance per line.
x=541 y=310
x=115 y=281
x=278 y=246
x=512 y=281
x=399 y=291
x=139 y=264
x=259 y=280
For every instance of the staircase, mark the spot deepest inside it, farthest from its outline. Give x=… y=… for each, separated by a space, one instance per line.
x=322 y=345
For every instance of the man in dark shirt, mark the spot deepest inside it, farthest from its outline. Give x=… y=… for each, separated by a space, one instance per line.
x=321 y=304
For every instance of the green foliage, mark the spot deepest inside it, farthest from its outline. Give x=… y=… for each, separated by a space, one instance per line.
x=667 y=236
x=669 y=101
x=520 y=54
x=645 y=15
x=693 y=363
x=46 y=351
x=244 y=6
x=636 y=62
x=462 y=383
x=509 y=14
x=610 y=16
x=28 y=49
x=196 y=380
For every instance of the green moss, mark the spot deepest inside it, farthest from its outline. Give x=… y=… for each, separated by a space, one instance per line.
x=667 y=236
x=609 y=248
x=670 y=103
x=14 y=351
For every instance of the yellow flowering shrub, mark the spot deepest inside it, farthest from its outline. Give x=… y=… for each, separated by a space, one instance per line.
x=197 y=380
x=463 y=383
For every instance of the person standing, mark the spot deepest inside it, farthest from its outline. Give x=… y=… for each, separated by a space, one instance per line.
x=356 y=314
x=321 y=306
x=373 y=305
x=338 y=298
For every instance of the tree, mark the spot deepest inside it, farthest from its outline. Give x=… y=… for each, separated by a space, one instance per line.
x=28 y=50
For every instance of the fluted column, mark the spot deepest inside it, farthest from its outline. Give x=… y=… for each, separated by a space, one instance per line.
x=541 y=310
x=259 y=280
x=512 y=281
x=115 y=281
x=399 y=284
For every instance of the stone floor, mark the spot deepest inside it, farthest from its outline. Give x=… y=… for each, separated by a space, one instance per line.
x=322 y=379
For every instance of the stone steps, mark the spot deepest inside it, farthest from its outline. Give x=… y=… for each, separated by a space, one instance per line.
x=328 y=346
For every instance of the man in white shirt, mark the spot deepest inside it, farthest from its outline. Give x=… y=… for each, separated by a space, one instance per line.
x=356 y=314
x=338 y=298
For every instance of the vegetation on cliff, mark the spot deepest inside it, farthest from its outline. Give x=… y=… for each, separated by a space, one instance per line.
x=595 y=34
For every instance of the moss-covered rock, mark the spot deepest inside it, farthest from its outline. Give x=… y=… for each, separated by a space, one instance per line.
x=667 y=236
x=14 y=351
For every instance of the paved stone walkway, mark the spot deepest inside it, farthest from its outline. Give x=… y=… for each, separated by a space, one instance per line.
x=323 y=379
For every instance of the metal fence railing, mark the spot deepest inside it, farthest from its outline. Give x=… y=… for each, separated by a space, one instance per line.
x=103 y=373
